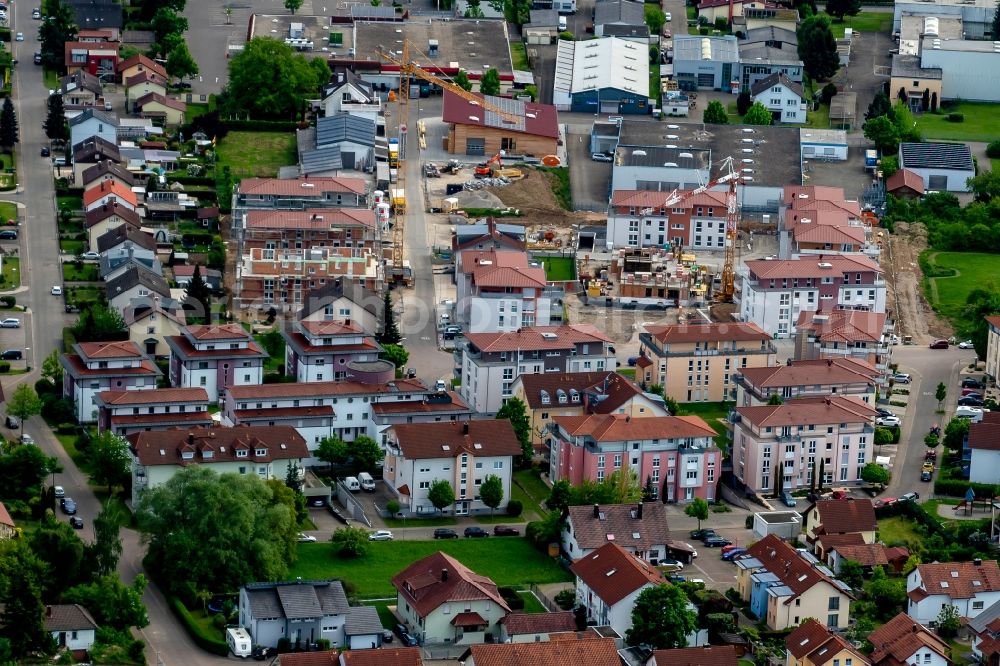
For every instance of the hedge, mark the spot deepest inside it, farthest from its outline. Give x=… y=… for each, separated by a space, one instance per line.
x=261 y=125
x=69 y=339
x=207 y=643
x=911 y=510
x=958 y=488
x=4 y=34
x=192 y=180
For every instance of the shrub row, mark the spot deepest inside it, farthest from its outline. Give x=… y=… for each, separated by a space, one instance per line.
x=206 y=642
x=958 y=488
x=192 y=180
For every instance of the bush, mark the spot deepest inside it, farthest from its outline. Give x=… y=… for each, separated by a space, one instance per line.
x=4 y=366
x=958 y=488
x=323 y=644
x=284 y=645
x=512 y=598
x=828 y=93
x=993 y=149
x=209 y=643
x=955 y=117
x=66 y=428
x=219 y=621
x=566 y=599
x=514 y=508
x=44 y=386
x=8 y=301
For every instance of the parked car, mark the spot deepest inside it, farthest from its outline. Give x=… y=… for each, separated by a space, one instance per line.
x=901 y=378
x=787 y=499
x=306 y=538
x=966 y=344
x=676 y=578
x=317 y=501
x=504 y=530
x=939 y=344
x=702 y=534
x=12 y=355
x=928 y=466
x=445 y=533
x=56 y=290
x=27 y=439
x=12 y=422
x=261 y=652
x=451 y=331
x=716 y=542
x=925 y=476
x=601 y=157
x=10 y=322
x=36 y=14
x=405 y=636
x=734 y=554
x=667 y=17
x=68 y=506
x=59 y=492
x=90 y=256
x=889 y=421
x=973 y=383
x=909 y=497
x=440 y=385
x=970 y=401
x=886 y=501
x=8 y=234
x=475 y=533
x=38 y=59
x=386 y=636
x=380 y=535
x=930 y=454
x=45 y=151
x=882 y=411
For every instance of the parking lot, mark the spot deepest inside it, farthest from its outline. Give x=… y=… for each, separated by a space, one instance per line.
x=13 y=339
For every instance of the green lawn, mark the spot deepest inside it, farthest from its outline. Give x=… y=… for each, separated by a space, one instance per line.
x=51 y=78
x=820 y=119
x=73 y=247
x=654 y=82
x=863 y=22
x=437 y=521
x=384 y=614
x=70 y=203
x=519 y=56
x=11 y=276
x=958 y=274
x=8 y=211
x=627 y=372
x=712 y=412
x=558 y=269
x=533 y=491
x=979 y=124
x=257 y=154
x=82 y=295
x=531 y=602
x=510 y=562
x=81 y=273
x=896 y=530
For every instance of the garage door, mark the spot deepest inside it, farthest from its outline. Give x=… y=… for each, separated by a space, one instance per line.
x=475 y=146
x=706 y=80
x=609 y=107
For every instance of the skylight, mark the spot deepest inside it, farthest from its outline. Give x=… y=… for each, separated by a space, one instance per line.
x=636 y=535
x=611 y=537
x=804 y=641
x=611 y=572
x=944 y=583
x=803 y=577
x=954 y=574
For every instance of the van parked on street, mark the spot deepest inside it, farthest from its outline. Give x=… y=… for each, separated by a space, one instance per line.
x=352 y=484
x=367 y=482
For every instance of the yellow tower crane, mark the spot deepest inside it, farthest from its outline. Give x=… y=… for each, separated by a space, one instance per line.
x=409 y=69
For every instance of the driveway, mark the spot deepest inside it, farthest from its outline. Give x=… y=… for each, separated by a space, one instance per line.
x=589 y=180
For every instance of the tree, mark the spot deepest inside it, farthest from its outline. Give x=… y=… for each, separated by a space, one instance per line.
x=743 y=102
x=180 y=63
x=395 y=354
x=441 y=494
x=940 y=393
x=198 y=298
x=985 y=186
x=22 y=471
x=293 y=5
x=101 y=557
x=649 y=490
x=390 y=330
x=883 y=133
x=112 y=602
x=167 y=22
x=473 y=9
x=818 y=48
x=393 y=507
x=350 y=541
x=661 y=618
x=23 y=611
x=491 y=492
x=61 y=552
x=57 y=29
x=24 y=403
x=875 y=474
x=880 y=106
x=332 y=450
x=859 y=631
x=489 y=84
x=269 y=80
x=52 y=369
x=715 y=114
x=655 y=19
x=55 y=121
x=697 y=509
x=883 y=436
x=888 y=595
x=852 y=573
x=559 y=496
x=366 y=454
x=948 y=621
x=253 y=539
x=515 y=411
x=758 y=114
x=109 y=461
x=99 y=323
x=8 y=125
x=828 y=93
x=955 y=433
x=840 y=8
x=461 y=79
x=293 y=477
x=775 y=399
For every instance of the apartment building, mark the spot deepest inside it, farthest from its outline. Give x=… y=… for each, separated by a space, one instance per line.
x=303 y=193
x=839 y=334
x=215 y=357
x=350 y=228
x=640 y=218
x=492 y=361
x=803 y=379
x=503 y=291
x=970 y=587
x=835 y=231
x=774 y=293
x=317 y=351
x=464 y=454
x=104 y=366
x=575 y=393
x=782 y=447
x=639 y=528
x=993 y=346
x=126 y=412
x=699 y=362
x=343 y=300
x=675 y=454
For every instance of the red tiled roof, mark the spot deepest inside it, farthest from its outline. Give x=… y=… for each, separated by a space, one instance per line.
x=154 y=396
x=162 y=100
x=825 y=233
x=180 y=345
x=612 y=573
x=327 y=328
x=795 y=194
x=5 y=519
x=843 y=325
x=866 y=554
x=512 y=277
x=301 y=345
x=901 y=637
x=163 y=447
x=809 y=411
x=106 y=187
x=794 y=571
x=621 y=427
x=321 y=389
x=621 y=523
x=531 y=338
x=125 y=349
x=538 y=119
x=448 y=439
x=386 y=656
x=203 y=332
x=656 y=200
x=178 y=419
x=834 y=371
x=77 y=368
x=809 y=267
x=424 y=406
x=616 y=387
x=819 y=645
x=984 y=435
x=109 y=209
x=440 y=578
x=313 y=186
x=714 y=332
x=905 y=178
x=145 y=76
x=539 y=623
x=710 y=655
x=830 y=542
x=846 y=515
x=468 y=620
x=268 y=413
x=144 y=61
x=993 y=320
x=585 y=651
x=310 y=218
x=960 y=580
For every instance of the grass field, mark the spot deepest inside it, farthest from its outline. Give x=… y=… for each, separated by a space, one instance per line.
x=953 y=276
x=73 y=247
x=712 y=412
x=863 y=22
x=979 y=123
x=510 y=562
x=11 y=272
x=257 y=154
x=85 y=273
x=519 y=56
x=531 y=602
x=531 y=491
x=897 y=530
x=820 y=119
x=558 y=269
x=8 y=211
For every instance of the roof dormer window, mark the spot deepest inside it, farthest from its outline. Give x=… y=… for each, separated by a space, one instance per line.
x=260 y=453
x=241 y=453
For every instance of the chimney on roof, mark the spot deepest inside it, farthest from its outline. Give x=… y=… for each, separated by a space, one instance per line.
x=977 y=562
x=597 y=511
x=828 y=400
x=788 y=362
x=916 y=628
x=190 y=438
x=465 y=427
x=829 y=362
x=638 y=511
x=628 y=419
x=444 y=575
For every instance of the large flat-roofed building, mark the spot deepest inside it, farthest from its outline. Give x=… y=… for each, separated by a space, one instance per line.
x=440 y=46
x=705 y=63
x=976 y=15
x=945 y=167
x=609 y=75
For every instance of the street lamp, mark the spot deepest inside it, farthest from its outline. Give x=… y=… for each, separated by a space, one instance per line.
x=27 y=351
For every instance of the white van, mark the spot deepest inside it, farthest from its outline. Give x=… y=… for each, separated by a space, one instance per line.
x=367 y=482
x=352 y=484
x=562 y=24
x=239 y=641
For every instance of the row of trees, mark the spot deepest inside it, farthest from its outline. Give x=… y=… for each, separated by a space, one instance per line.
x=756 y=114
x=887 y=125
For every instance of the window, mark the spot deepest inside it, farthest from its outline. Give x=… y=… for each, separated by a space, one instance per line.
x=834 y=604
x=977 y=605
x=497 y=464
x=692 y=475
x=832 y=620
x=425 y=485
x=600 y=462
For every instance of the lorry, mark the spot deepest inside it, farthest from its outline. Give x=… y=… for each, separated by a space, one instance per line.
x=239 y=641
x=871 y=160
x=394 y=153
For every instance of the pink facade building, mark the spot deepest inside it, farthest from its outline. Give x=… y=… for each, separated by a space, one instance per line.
x=318 y=351
x=675 y=453
x=832 y=436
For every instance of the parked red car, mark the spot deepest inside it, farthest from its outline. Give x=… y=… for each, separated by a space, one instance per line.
x=939 y=344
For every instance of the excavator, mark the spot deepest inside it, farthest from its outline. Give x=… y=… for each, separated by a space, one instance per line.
x=485 y=169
